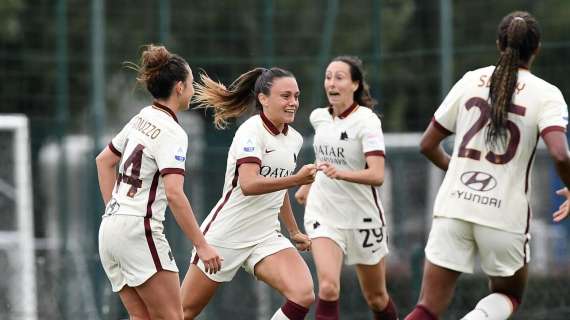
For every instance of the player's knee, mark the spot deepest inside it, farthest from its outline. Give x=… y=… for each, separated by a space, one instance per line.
x=190 y=313
x=377 y=300
x=139 y=314
x=329 y=290
x=303 y=295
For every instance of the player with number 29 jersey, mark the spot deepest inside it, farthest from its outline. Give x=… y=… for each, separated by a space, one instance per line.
x=152 y=144
x=492 y=187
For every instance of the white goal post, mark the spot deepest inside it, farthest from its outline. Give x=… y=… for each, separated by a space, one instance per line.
x=18 y=240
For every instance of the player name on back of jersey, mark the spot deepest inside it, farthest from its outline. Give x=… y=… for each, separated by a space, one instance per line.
x=146 y=127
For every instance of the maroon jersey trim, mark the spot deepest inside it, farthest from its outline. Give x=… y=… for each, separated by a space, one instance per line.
x=114 y=150
x=550 y=129
x=440 y=127
x=378 y=153
x=166 y=171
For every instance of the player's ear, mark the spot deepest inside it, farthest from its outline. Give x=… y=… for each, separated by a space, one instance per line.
x=263 y=99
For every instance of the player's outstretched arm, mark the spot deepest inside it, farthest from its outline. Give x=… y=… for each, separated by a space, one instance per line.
x=252 y=183
x=373 y=175
x=107 y=172
x=557 y=145
x=430 y=146
x=301 y=240
x=184 y=215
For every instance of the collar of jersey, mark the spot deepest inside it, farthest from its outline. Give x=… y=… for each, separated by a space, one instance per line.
x=271 y=127
x=164 y=108
x=346 y=112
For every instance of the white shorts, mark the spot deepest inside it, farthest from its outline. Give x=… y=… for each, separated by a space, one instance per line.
x=246 y=257
x=454 y=243
x=360 y=246
x=132 y=249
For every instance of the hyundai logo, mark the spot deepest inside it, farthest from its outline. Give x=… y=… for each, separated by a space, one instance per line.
x=478 y=181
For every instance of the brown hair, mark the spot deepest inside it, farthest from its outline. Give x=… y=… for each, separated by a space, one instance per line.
x=362 y=94
x=518 y=37
x=160 y=70
x=232 y=102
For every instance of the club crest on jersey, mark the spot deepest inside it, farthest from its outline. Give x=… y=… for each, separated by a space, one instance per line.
x=343 y=136
x=478 y=181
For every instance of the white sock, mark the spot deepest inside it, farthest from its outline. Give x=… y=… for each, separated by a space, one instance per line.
x=495 y=306
x=279 y=315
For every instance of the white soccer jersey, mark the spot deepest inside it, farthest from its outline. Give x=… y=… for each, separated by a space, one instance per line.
x=151 y=145
x=345 y=141
x=492 y=188
x=239 y=221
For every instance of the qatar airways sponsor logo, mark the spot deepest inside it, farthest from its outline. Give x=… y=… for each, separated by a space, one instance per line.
x=478 y=181
x=270 y=172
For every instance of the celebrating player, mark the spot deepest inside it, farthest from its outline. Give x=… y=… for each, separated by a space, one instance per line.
x=482 y=208
x=343 y=213
x=150 y=151
x=244 y=224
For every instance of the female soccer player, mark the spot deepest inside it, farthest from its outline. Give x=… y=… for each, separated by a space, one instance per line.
x=343 y=214
x=482 y=208
x=244 y=225
x=150 y=151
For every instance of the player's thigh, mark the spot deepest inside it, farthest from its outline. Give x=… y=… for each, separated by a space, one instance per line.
x=197 y=290
x=513 y=286
x=134 y=304
x=287 y=272
x=328 y=256
x=372 y=278
x=438 y=285
x=161 y=294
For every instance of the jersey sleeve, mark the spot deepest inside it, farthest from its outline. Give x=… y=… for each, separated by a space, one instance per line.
x=315 y=118
x=170 y=153
x=372 y=138
x=117 y=144
x=445 y=117
x=553 y=115
x=248 y=146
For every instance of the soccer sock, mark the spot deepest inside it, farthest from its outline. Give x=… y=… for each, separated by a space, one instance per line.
x=290 y=311
x=421 y=313
x=327 y=310
x=496 y=306
x=389 y=313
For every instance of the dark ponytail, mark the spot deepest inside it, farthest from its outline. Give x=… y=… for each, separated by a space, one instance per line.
x=518 y=37
x=234 y=101
x=362 y=94
x=160 y=70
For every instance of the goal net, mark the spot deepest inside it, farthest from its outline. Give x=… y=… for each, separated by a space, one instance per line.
x=18 y=284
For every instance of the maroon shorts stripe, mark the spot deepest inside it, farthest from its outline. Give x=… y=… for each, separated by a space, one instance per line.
x=550 y=129
x=440 y=127
x=114 y=150
x=166 y=171
x=147 y=228
x=151 y=245
x=219 y=208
